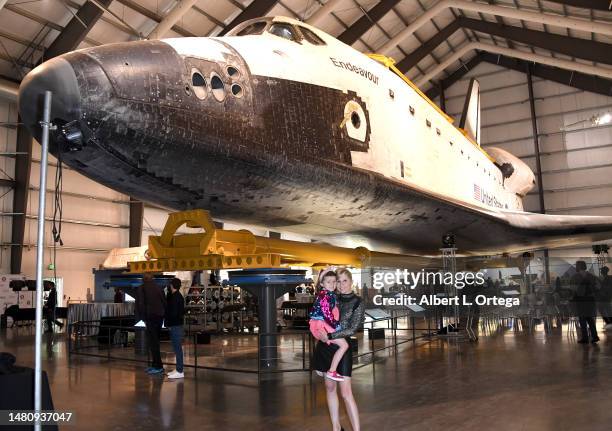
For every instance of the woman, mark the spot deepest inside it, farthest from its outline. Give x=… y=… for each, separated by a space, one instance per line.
x=351 y=318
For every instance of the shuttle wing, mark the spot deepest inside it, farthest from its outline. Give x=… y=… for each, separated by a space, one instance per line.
x=515 y=232
x=418 y=219
x=553 y=228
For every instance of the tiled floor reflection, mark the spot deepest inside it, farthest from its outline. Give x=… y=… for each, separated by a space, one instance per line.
x=509 y=380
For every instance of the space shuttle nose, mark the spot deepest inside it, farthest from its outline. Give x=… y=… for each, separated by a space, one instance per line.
x=57 y=76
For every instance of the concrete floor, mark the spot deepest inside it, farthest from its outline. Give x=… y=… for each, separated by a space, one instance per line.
x=507 y=381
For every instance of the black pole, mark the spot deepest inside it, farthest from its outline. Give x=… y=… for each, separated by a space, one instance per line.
x=536 y=142
x=536 y=145
x=442 y=97
x=267 y=325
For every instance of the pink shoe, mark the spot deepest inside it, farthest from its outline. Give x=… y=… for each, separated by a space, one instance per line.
x=334 y=376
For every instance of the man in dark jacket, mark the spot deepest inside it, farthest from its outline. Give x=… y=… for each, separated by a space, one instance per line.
x=151 y=307
x=118 y=298
x=585 y=285
x=605 y=296
x=175 y=314
x=50 y=306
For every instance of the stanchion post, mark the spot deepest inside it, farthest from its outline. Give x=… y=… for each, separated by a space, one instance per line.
x=258 y=358
x=311 y=353
x=40 y=244
x=303 y=351
x=69 y=334
x=395 y=331
x=195 y=353
x=370 y=331
x=258 y=354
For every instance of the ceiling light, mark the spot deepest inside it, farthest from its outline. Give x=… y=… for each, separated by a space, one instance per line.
x=603 y=119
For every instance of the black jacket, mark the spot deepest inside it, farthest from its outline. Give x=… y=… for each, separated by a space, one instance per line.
x=175 y=312
x=584 y=285
x=605 y=291
x=150 y=301
x=52 y=299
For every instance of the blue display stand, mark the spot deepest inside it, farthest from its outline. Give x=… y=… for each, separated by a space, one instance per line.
x=267 y=285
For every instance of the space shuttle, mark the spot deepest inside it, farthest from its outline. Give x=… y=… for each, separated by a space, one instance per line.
x=281 y=125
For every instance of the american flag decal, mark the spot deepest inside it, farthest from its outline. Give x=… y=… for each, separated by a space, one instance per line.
x=477 y=192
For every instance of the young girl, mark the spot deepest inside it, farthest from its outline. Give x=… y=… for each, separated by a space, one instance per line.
x=324 y=319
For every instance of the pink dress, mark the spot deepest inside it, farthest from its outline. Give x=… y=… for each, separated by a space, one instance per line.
x=324 y=315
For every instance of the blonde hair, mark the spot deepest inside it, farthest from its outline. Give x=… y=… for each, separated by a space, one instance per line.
x=341 y=271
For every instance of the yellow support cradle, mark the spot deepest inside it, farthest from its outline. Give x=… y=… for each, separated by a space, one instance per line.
x=225 y=249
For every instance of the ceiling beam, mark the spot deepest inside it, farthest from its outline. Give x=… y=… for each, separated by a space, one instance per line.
x=366 y=22
x=154 y=17
x=454 y=77
x=110 y=21
x=571 y=46
x=550 y=19
x=177 y=12
x=27 y=14
x=536 y=58
x=500 y=21
x=256 y=9
x=21 y=40
x=427 y=48
x=79 y=26
x=581 y=81
x=322 y=12
x=587 y=4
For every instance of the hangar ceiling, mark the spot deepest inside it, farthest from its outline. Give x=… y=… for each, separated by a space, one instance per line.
x=435 y=42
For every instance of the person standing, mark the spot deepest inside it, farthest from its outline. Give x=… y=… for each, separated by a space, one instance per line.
x=50 y=306
x=118 y=298
x=584 y=284
x=151 y=307
x=175 y=314
x=352 y=312
x=324 y=319
x=605 y=296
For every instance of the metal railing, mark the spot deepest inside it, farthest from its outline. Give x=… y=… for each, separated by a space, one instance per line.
x=78 y=345
x=392 y=325
x=108 y=345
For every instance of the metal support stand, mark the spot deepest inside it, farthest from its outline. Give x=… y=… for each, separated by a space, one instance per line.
x=525 y=272
x=267 y=285
x=40 y=244
x=449 y=265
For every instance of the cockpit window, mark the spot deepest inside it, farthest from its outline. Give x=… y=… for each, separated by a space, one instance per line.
x=311 y=37
x=255 y=28
x=283 y=30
